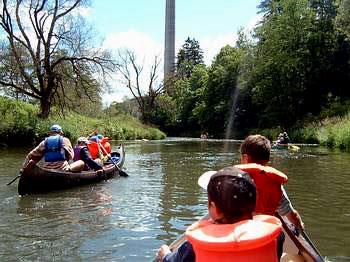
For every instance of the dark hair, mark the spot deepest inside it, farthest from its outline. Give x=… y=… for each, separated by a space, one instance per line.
x=233 y=193
x=258 y=148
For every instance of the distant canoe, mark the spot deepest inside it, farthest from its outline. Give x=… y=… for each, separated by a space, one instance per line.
x=39 y=180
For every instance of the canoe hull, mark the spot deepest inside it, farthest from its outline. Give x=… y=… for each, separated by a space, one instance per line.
x=40 y=180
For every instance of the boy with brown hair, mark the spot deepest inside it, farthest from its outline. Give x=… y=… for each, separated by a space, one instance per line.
x=271 y=196
x=231 y=203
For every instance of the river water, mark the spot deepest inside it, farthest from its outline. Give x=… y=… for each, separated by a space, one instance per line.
x=127 y=219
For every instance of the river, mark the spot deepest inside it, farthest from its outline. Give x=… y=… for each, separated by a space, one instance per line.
x=127 y=219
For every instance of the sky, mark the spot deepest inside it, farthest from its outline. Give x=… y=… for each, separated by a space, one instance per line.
x=138 y=25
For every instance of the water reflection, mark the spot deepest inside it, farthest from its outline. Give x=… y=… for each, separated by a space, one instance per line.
x=127 y=219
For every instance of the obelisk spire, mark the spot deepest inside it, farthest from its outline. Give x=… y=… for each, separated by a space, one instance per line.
x=169 y=48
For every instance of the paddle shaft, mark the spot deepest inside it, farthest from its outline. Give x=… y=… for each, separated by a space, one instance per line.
x=13 y=180
x=319 y=258
x=121 y=172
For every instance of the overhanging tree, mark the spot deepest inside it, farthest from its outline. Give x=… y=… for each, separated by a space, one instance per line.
x=48 y=51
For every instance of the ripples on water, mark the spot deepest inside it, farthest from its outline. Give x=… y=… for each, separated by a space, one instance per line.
x=129 y=218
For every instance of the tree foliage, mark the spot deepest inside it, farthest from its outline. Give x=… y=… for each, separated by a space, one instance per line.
x=188 y=56
x=297 y=56
x=217 y=103
x=48 y=52
x=343 y=17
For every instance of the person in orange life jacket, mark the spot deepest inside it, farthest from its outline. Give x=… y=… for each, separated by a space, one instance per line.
x=231 y=203
x=271 y=195
x=56 y=150
x=104 y=142
x=82 y=158
x=94 y=147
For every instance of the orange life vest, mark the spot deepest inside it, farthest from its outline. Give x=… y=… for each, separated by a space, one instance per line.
x=247 y=240
x=106 y=145
x=94 y=150
x=268 y=181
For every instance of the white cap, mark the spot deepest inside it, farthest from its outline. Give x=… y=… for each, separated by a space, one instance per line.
x=204 y=179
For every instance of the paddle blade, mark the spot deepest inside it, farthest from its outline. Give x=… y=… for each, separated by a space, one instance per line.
x=122 y=173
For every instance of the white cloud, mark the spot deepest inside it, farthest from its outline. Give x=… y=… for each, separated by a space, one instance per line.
x=141 y=43
x=146 y=48
x=85 y=12
x=212 y=46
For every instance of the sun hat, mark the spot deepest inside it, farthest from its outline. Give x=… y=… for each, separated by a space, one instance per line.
x=205 y=178
x=56 y=128
x=94 y=139
x=83 y=139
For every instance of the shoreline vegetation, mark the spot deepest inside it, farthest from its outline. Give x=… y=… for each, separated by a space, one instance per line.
x=332 y=132
x=20 y=125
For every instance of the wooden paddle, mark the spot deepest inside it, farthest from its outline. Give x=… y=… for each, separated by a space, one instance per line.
x=29 y=165
x=300 y=239
x=319 y=257
x=13 y=180
x=121 y=172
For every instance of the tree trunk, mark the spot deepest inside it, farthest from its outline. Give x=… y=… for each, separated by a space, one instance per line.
x=45 y=107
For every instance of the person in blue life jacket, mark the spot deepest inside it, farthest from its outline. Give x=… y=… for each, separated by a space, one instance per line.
x=55 y=149
x=82 y=158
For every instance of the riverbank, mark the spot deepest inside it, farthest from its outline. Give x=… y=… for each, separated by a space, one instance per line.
x=333 y=132
x=19 y=125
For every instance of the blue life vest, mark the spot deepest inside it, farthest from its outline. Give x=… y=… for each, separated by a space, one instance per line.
x=54 y=150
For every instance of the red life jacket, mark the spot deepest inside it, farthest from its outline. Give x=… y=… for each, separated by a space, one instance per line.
x=94 y=150
x=247 y=240
x=268 y=181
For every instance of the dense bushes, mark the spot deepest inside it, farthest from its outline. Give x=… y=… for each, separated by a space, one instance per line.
x=19 y=125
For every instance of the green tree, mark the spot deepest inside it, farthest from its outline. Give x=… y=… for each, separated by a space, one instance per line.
x=343 y=17
x=188 y=95
x=188 y=56
x=48 y=51
x=298 y=62
x=215 y=108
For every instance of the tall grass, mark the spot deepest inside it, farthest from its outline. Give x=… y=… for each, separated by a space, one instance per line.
x=331 y=132
x=19 y=125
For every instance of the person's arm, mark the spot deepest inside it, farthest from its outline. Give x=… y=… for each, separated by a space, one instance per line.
x=295 y=219
x=68 y=148
x=184 y=253
x=36 y=154
x=285 y=208
x=86 y=157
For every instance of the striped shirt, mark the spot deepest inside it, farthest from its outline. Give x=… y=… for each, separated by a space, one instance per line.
x=285 y=206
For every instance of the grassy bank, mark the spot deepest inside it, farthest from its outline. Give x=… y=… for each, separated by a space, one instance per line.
x=19 y=125
x=330 y=132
